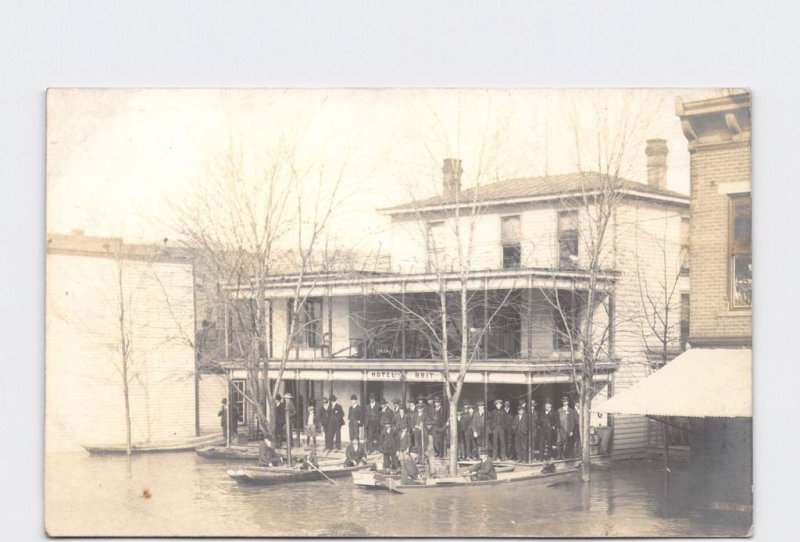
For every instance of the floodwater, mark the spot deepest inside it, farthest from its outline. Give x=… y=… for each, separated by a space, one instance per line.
x=183 y=494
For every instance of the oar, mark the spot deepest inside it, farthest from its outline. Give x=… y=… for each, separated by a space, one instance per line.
x=391 y=488
x=322 y=473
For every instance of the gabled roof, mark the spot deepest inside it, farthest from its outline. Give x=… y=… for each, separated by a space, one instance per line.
x=535 y=187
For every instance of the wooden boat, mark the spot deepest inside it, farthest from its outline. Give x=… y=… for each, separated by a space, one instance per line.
x=230 y=453
x=286 y=475
x=372 y=480
x=182 y=445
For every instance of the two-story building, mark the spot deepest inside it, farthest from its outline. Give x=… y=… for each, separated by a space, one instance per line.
x=526 y=277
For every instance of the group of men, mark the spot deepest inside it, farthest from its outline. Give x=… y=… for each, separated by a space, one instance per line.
x=330 y=418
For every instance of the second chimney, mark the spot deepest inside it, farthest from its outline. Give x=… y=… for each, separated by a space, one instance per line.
x=656 y=151
x=451 y=176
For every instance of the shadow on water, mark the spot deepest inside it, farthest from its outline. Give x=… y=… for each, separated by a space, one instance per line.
x=182 y=494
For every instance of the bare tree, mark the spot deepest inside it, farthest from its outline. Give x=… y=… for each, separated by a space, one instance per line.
x=246 y=226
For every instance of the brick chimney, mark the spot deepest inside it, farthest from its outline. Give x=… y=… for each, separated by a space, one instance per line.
x=451 y=179
x=656 y=151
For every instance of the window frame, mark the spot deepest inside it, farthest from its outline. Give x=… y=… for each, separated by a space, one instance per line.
x=432 y=252
x=734 y=250
x=512 y=260
x=562 y=261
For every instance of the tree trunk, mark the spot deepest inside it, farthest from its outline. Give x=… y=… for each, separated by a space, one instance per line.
x=126 y=394
x=452 y=458
x=585 y=409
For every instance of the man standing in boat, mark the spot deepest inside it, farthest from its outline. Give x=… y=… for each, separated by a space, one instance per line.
x=267 y=456
x=388 y=447
x=484 y=469
x=355 y=418
x=386 y=417
x=336 y=422
x=550 y=422
x=355 y=454
x=566 y=429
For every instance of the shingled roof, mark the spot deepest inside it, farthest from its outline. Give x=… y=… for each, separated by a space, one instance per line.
x=534 y=187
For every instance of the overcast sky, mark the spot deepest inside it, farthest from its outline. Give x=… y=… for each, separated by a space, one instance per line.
x=117 y=158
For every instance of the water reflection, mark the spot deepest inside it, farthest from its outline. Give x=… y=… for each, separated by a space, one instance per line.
x=193 y=496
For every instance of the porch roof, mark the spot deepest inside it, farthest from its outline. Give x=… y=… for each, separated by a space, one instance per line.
x=396 y=283
x=701 y=382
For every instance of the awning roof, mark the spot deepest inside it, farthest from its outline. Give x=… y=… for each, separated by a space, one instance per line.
x=701 y=382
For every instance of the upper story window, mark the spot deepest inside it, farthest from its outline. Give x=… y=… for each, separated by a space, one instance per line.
x=740 y=250
x=308 y=332
x=684 y=255
x=566 y=312
x=511 y=239
x=568 y=238
x=435 y=244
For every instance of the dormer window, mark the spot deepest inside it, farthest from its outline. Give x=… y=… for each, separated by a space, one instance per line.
x=510 y=239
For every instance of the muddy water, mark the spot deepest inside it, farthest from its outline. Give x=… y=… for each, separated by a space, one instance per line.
x=182 y=494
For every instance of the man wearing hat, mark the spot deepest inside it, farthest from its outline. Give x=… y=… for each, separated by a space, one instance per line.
x=373 y=415
x=497 y=424
x=335 y=421
x=484 y=469
x=280 y=420
x=386 y=417
x=478 y=426
x=311 y=422
x=323 y=415
x=536 y=430
x=549 y=419
x=461 y=426
x=509 y=419
x=388 y=447
x=267 y=456
x=355 y=418
x=355 y=453
x=566 y=429
x=409 y=474
x=439 y=426
x=469 y=439
x=419 y=426
x=520 y=429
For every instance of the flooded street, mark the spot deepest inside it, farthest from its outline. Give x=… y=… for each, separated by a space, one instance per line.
x=183 y=494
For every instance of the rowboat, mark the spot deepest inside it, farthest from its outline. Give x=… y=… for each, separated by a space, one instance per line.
x=285 y=475
x=181 y=445
x=371 y=480
x=230 y=453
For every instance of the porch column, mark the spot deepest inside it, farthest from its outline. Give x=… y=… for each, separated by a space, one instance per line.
x=403 y=329
x=485 y=407
x=364 y=322
x=485 y=334
x=529 y=413
x=529 y=327
x=330 y=324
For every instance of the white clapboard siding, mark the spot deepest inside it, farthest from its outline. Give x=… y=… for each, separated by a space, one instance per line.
x=84 y=398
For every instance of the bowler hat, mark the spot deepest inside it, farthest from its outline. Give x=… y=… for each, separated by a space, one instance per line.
x=481 y=403
x=420 y=399
x=396 y=401
x=383 y=401
x=332 y=397
x=372 y=395
x=324 y=399
x=354 y=397
x=498 y=401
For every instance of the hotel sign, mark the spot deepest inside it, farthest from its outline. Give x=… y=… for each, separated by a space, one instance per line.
x=424 y=376
x=385 y=375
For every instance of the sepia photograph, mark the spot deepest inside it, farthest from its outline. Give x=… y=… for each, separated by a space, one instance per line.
x=398 y=312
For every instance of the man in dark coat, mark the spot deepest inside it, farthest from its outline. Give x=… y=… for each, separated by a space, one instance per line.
x=439 y=427
x=291 y=414
x=334 y=422
x=509 y=419
x=388 y=447
x=461 y=426
x=411 y=414
x=386 y=416
x=536 y=429
x=469 y=439
x=280 y=421
x=355 y=454
x=575 y=446
x=373 y=414
x=322 y=416
x=355 y=418
x=549 y=438
x=421 y=435
x=566 y=427
x=520 y=429
x=400 y=420
x=497 y=425
x=403 y=437
x=478 y=427
x=267 y=456
x=484 y=469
